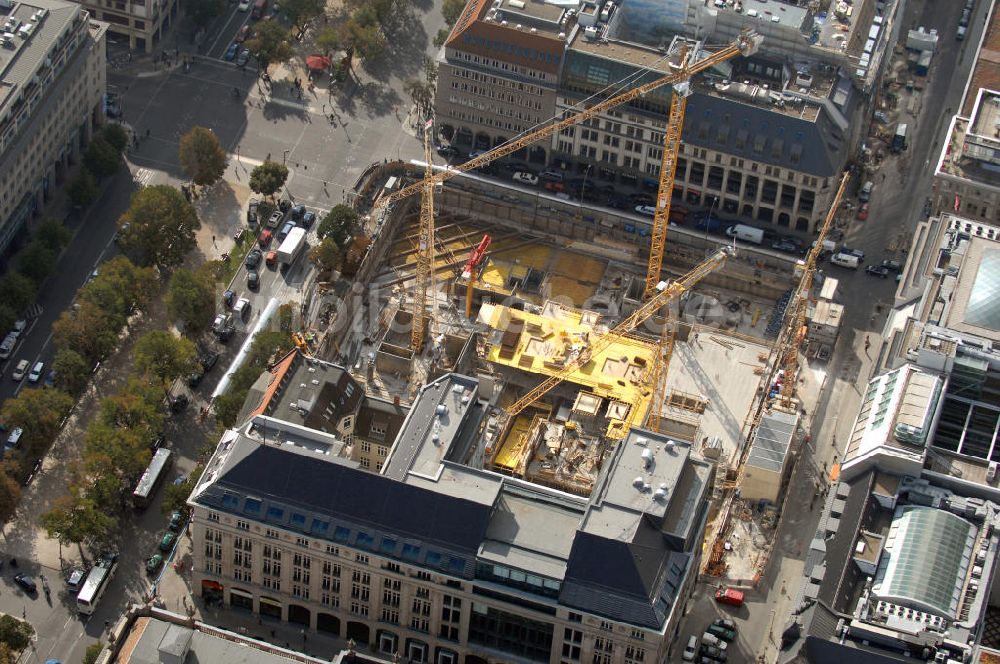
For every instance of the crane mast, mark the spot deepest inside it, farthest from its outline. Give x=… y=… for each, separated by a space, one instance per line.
x=795 y=329
x=636 y=318
x=746 y=44
x=425 y=251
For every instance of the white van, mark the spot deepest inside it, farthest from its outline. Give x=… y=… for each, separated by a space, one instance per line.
x=849 y=261
x=7 y=347
x=691 y=650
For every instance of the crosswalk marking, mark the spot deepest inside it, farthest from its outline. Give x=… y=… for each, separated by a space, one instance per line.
x=142 y=177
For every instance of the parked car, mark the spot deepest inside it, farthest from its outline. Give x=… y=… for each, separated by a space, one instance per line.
x=208 y=360
x=712 y=640
x=298 y=211
x=13 y=439
x=725 y=622
x=551 y=176
x=230 y=53
x=526 y=178
x=153 y=563
x=195 y=377
x=253 y=280
x=50 y=378
x=26 y=582
x=228 y=298
x=447 y=150
x=721 y=632
x=877 y=271
x=308 y=219
x=253 y=259
x=20 y=370
x=75 y=578
x=265 y=238
x=167 y=541
x=646 y=210
x=892 y=266
x=712 y=653
x=862 y=214
x=252 y=211
x=178 y=403
x=691 y=649
x=271 y=260
x=284 y=205
x=729 y=596
x=176 y=520
x=275 y=219
x=36 y=372
x=853 y=252
x=243 y=57
x=244 y=34
x=477 y=153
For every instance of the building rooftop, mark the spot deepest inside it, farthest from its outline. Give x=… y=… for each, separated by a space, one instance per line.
x=927 y=556
x=772 y=441
x=530 y=33
x=34 y=36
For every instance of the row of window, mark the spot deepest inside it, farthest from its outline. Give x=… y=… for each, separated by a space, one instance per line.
x=488 y=92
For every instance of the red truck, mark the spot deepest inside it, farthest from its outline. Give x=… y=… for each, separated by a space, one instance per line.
x=729 y=596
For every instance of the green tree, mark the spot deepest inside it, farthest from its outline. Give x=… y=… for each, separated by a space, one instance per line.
x=441 y=37
x=201 y=156
x=452 y=10
x=101 y=158
x=15 y=633
x=120 y=289
x=83 y=189
x=301 y=12
x=7 y=317
x=159 y=226
x=76 y=519
x=72 y=371
x=328 y=40
x=162 y=355
x=7 y=656
x=114 y=452
x=361 y=36
x=338 y=224
x=268 y=178
x=88 y=331
x=39 y=413
x=10 y=493
x=270 y=44
x=136 y=408
x=36 y=261
x=285 y=315
x=422 y=94
x=191 y=300
x=116 y=136
x=94 y=649
x=325 y=255
x=17 y=291
x=53 y=234
x=202 y=12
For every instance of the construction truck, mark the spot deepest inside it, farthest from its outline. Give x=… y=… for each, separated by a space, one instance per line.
x=292 y=246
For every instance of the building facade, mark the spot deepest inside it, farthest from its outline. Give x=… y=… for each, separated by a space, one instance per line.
x=765 y=138
x=442 y=562
x=139 y=24
x=52 y=61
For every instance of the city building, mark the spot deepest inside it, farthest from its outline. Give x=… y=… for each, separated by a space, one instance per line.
x=765 y=137
x=52 y=61
x=920 y=473
x=437 y=558
x=148 y=635
x=498 y=77
x=138 y=24
x=965 y=179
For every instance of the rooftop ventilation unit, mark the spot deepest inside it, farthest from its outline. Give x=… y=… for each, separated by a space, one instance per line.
x=516 y=4
x=647 y=457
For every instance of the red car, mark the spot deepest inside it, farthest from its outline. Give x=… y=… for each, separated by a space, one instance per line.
x=863 y=212
x=245 y=33
x=729 y=596
x=271 y=259
x=264 y=239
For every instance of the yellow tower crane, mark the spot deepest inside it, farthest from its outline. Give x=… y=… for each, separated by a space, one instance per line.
x=664 y=295
x=746 y=44
x=425 y=251
x=794 y=331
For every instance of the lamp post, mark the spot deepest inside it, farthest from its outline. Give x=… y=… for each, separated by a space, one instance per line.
x=579 y=216
x=708 y=219
x=284 y=157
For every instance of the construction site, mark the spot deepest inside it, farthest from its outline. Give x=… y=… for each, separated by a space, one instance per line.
x=579 y=332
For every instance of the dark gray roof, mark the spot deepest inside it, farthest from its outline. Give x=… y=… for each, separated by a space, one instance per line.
x=622 y=580
x=818 y=148
x=840 y=547
x=355 y=497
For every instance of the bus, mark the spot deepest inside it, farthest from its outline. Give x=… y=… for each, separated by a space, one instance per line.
x=151 y=478
x=97 y=582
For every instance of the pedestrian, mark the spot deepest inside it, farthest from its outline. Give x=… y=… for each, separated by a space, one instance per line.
x=24 y=613
x=147 y=133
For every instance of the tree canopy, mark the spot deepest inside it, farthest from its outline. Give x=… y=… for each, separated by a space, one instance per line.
x=268 y=178
x=191 y=300
x=325 y=255
x=159 y=226
x=39 y=412
x=101 y=158
x=72 y=371
x=339 y=223
x=163 y=356
x=82 y=190
x=270 y=44
x=201 y=156
x=301 y=12
x=452 y=10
